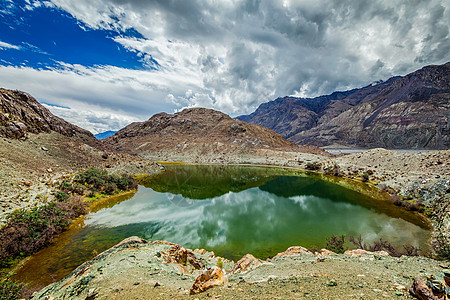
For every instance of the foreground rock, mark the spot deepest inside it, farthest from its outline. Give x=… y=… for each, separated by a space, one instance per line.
x=137 y=269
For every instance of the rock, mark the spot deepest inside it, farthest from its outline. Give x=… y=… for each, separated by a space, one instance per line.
x=209 y=278
x=331 y=283
x=420 y=290
x=183 y=256
x=361 y=252
x=295 y=250
x=105 y=155
x=246 y=263
x=324 y=252
x=44 y=149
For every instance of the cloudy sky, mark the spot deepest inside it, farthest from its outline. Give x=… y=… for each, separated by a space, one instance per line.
x=102 y=64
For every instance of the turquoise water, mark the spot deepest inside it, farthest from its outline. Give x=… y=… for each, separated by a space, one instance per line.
x=232 y=211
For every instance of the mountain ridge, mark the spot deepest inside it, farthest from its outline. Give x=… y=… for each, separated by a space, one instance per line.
x=411 y=111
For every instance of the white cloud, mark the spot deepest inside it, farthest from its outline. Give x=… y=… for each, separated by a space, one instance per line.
x=119 y=94
x=234 y=55
x=4 y=45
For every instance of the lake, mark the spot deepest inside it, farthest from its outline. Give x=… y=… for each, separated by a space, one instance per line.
x=231 y=210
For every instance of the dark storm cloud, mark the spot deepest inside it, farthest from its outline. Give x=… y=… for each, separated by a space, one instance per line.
x=233 y=55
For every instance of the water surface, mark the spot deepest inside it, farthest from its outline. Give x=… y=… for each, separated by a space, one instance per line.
x=230 y=210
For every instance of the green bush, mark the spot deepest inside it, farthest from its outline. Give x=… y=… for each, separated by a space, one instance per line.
x=365 y=177
x=99 y=181
x=9 y=290
x=61 y=196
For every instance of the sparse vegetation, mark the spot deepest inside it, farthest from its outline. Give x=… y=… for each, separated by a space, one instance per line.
x=27 y=231
x=365 y=177
x=10 y=290
x=412 y=205
x=384 y=245
x=334 y=170
x=336 y=243
x=313 y=166
x=100 y=181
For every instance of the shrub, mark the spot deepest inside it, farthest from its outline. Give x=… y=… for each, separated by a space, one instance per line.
x=336 y=243
x=335 y=170
x=100 y=181
x=27 y=231
x=220 y=263
x=61 y=196
x=313 y=166
x=10 y=290
x=383 y=245
x=365 y=177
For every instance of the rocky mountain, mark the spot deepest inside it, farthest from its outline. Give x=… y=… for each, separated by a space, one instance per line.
x=403 y=112
x=195 y=132
x=21 y=114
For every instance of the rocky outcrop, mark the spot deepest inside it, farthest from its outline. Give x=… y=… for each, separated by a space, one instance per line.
x=403 y=112
x=20 y=114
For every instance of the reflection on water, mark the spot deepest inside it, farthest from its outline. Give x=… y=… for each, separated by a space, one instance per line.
x=258 y=213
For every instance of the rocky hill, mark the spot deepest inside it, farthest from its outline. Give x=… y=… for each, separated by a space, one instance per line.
x=195 y=134
x=38 y=148
x=402 y=112
x=21 y=114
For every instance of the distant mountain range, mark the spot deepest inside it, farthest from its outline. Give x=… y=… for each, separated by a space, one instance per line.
x=104 y=135
x=410 y=112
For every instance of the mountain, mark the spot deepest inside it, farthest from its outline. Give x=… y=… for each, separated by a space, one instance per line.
x=196 y=133
x=408 y=112
x=21 y=114
x=104 y=135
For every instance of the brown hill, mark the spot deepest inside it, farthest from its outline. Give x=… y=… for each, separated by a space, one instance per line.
x=402 y=112
x=195 y=131
x=38 y=148
x=21 y=114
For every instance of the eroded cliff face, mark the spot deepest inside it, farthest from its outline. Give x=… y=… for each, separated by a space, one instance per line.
x=403 y=112
x=20 y=114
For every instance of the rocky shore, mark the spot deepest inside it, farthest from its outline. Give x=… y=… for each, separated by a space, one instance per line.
x=137 y=269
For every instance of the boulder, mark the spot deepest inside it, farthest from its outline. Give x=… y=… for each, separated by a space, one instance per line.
x=422 y=291
x=211 y=277
x=246 y=263
x=294 y=250
x=183 y=256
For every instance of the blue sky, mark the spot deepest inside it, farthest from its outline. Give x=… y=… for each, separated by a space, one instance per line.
x=103 y=64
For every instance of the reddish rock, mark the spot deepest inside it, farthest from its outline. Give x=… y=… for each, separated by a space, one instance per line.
x=420 y=290
x=212 y=277
x=183 y=256
x=246 y=263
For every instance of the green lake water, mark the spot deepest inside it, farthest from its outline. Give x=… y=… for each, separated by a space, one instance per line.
x=230 y=210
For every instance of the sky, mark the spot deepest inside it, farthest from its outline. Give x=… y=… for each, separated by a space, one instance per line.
x=102 y=64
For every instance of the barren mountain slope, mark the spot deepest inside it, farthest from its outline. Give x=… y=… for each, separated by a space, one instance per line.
x=196 y=133
x=403 y=112
x=21 y=114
